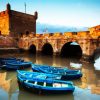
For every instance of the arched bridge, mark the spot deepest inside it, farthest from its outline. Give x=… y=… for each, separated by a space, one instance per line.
x=61 y=44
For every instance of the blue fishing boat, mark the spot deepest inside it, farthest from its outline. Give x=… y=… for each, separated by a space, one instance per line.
x=8 y=58
x=43 y=82
x=66 y=73
x=36 y=67
x=1 y=59
x=16 y=65
x=4 y=61
x=30 y=75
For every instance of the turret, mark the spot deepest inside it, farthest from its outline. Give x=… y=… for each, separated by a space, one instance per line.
x=36 y=15
x=8 y=7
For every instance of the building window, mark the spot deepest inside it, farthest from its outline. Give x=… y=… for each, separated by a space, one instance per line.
x=27 y=32
x=0 y=32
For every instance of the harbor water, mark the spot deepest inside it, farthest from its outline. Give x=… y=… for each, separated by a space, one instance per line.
x=86 y=88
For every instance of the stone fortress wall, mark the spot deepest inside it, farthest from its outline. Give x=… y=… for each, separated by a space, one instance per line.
x=21 y=22
x=14 y=23
x=4 y=23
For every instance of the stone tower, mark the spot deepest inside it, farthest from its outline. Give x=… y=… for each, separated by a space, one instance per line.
x=13 y=22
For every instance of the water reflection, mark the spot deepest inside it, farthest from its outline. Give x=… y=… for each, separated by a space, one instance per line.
x=57 y=61
x=85 y=94
x=75 y=65
x=87 y=87
x=8 y=83
x=97 y=64
x=47 y=60
x=24 y=95
x=90 y=79
x=4 y=84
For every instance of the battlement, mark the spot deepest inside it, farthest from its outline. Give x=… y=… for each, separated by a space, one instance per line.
x=68 y=34
x=83 y=33
x=80 y=34
x=17 y=13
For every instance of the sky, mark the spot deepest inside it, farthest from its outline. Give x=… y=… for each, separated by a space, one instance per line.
x=77 y=13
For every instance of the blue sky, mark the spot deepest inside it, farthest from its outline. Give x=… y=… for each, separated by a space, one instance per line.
x=76 y=13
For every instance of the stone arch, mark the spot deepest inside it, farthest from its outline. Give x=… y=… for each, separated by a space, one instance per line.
x=47 y=49
x=32 y=49
x=71 y=49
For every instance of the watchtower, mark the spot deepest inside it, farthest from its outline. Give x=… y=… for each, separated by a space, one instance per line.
x=14 y=23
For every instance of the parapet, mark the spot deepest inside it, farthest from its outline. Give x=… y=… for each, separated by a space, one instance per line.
x=51 y=34
x=8 y=11
x=68 y=33
x=57 y=34
x=39 y=35
x=83 y=33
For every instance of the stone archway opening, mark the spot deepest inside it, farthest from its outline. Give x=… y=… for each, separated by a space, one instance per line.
x=47 y=49
x=71 y=49
x=32 y=49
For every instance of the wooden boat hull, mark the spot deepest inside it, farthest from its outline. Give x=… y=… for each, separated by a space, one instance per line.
x=47 y=90
x=8 y=58
x=58 y=86
x=16 y=66
x=66 y=73
x=11 y=61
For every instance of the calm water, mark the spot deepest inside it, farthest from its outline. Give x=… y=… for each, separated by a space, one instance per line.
x=86 y=88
